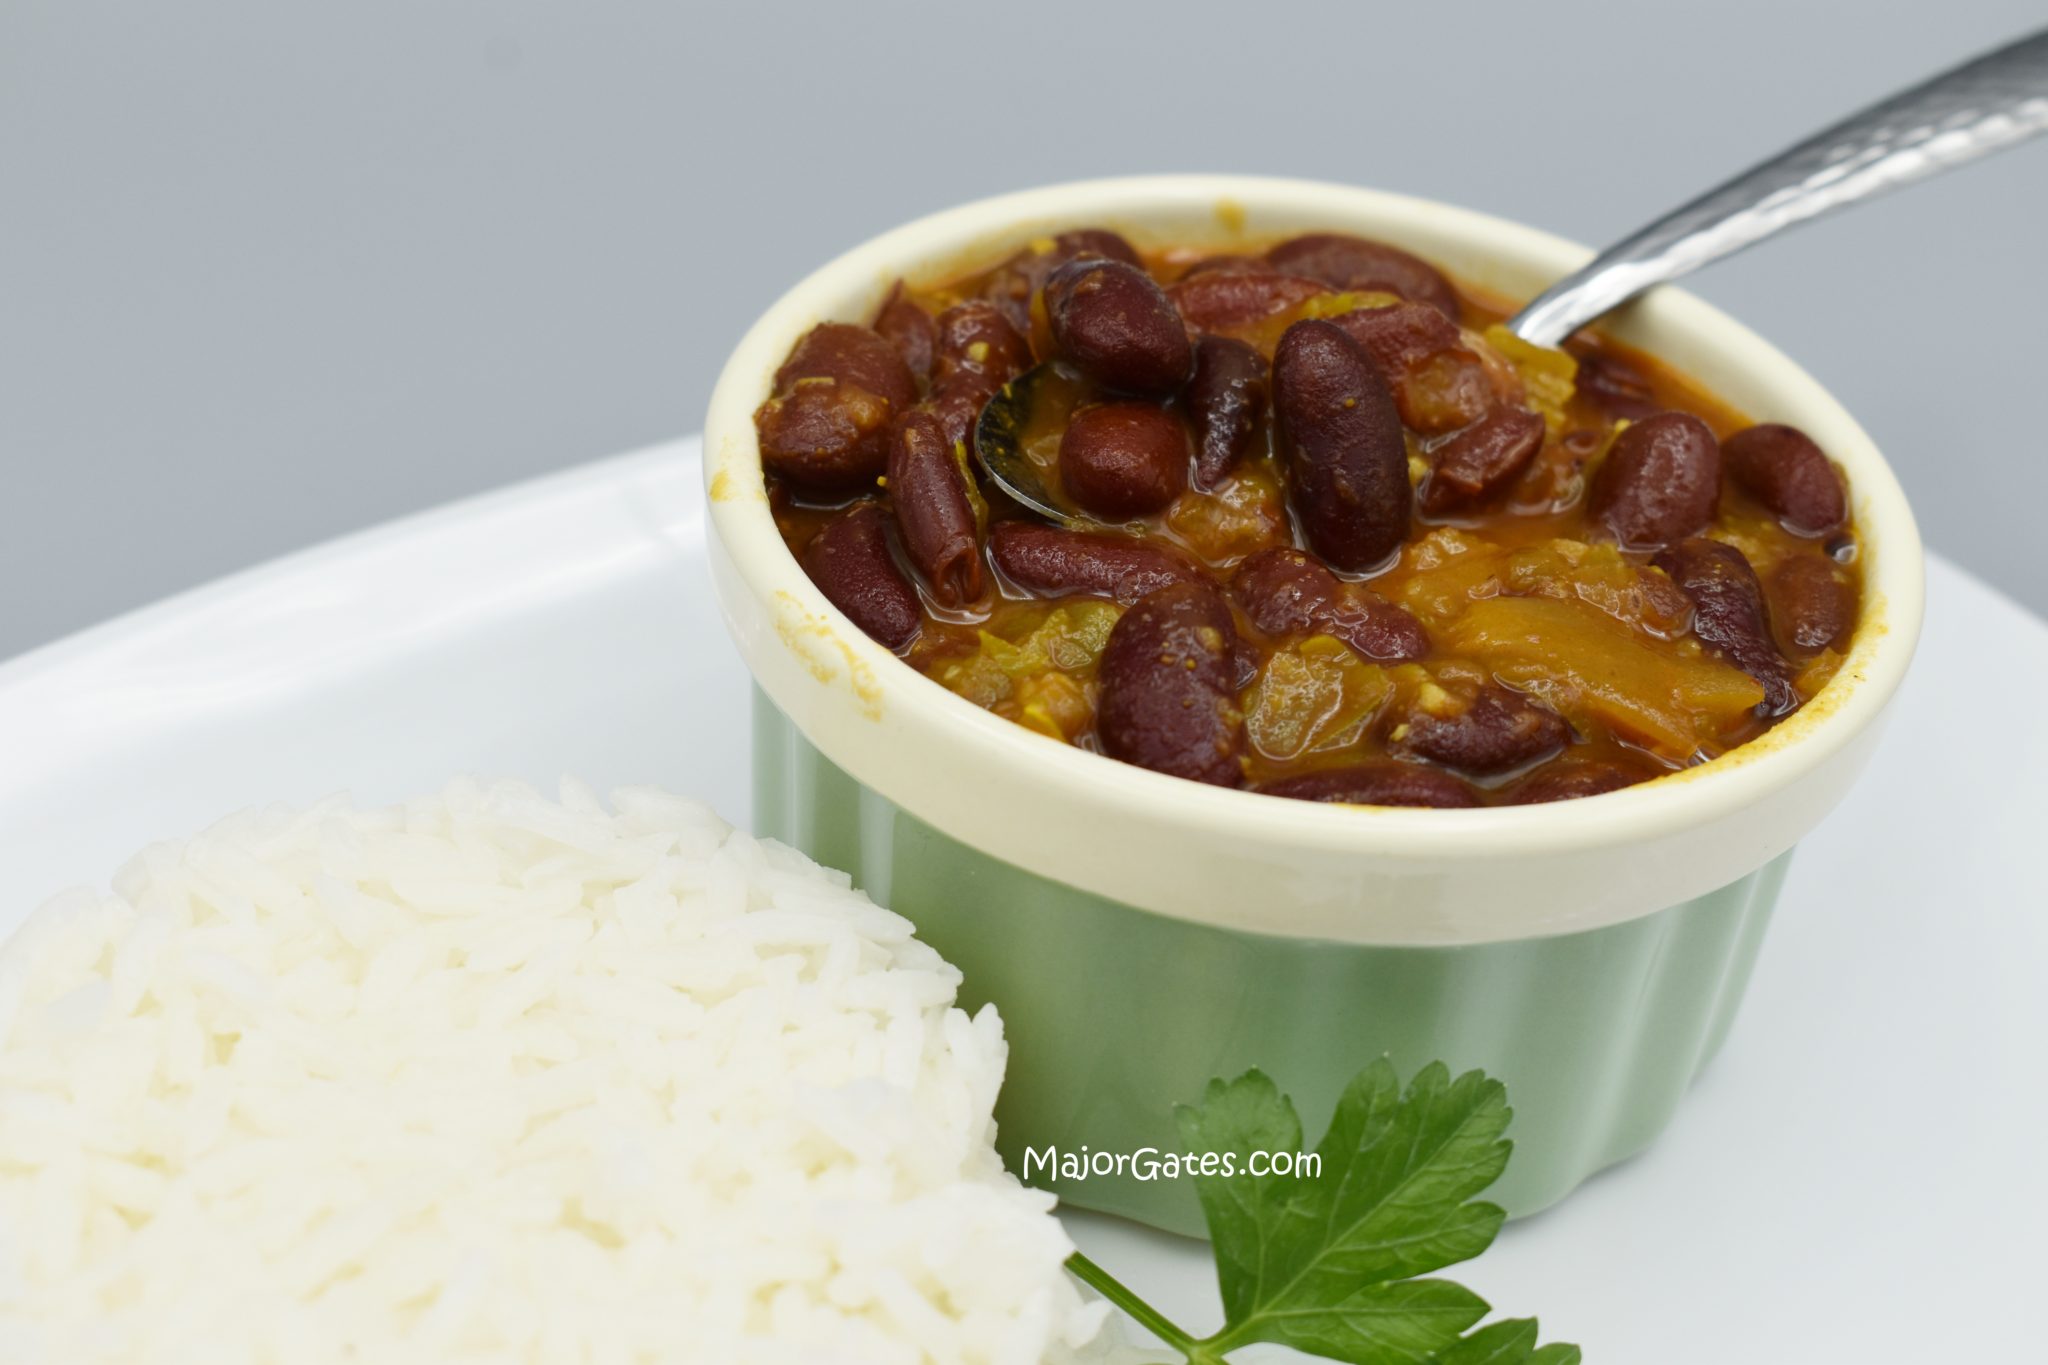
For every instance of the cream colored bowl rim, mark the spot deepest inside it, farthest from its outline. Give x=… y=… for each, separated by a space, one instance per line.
x=1875 y=664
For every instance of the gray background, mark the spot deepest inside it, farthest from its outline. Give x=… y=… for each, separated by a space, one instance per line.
x=272 y=272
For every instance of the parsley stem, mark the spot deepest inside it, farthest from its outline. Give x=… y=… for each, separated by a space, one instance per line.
x=1147 y=1316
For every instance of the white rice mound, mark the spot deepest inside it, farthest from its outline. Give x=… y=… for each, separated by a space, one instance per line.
x=488 y=1077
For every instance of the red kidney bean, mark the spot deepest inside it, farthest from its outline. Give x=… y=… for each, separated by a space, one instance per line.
x=958 y=410
x=974 y=341
x=1616 y=386
x=1118 y=327
x=1374 y=626
x=825 y=431
x=1121 y=460
x=1811 y=606
x=976 y=351
x=1227 y=265
x=1345 y=262
x=853 y=355
x=1226 y=397
x=904 y=324
x=1284 y=593
x=1660 y=482
x=1783 y=469
x=1341 y=435
x=1499 y=732
x=1388 y=783
x=1051 y=561
x=1219 y=300
x=1401 y=334
x=1023 y=275
x=1729 y=616
x=823 y=438
x=1438 y=383
x=1566 y=781
x=1169 y=691
x=1092 y=241
x=850 y=562
x=928 y=488
x=1482 y=460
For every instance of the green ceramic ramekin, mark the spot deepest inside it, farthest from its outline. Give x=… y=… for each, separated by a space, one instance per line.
x=1141 y=934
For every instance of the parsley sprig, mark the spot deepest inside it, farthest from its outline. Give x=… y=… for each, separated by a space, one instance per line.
x=1329 y=1265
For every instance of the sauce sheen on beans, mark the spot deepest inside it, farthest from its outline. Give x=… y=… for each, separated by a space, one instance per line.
x=1333 y=533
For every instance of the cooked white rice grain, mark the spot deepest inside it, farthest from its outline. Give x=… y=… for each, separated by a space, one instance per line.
x=488 y=1077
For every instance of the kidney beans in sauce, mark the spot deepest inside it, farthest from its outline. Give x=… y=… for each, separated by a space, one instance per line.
x=1439 y=385
x=1011 y=286
x=826 y=429
x=1355 y=263
x=850 y=562
x=1729 y=615
x=1169 y=687
x=1229 y=264
x=1499 y=731
x=1400 y=335
x=851 y=355
x=1224 y=299
x=1482 y=460
x=1570 y=523
x=1617 y=387
x=973 y=343
x=928 y=487
x=1284 y=593
x=975 y=352
x=1347 y=461
x=1117 y=326
x=1568 y=779
x=1386 y=783
x=1660 y=483
x=1812 y=605
x=1056 y=562
x=1121 y=460
x=1226 y=399
x=904 y=324
x=1783 y=469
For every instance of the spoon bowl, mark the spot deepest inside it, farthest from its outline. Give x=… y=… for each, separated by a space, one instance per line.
x=1000 y=434
x=1985 y=105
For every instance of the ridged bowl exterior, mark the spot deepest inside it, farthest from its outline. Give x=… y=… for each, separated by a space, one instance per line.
x=1115 y=1014
x=1143 y=934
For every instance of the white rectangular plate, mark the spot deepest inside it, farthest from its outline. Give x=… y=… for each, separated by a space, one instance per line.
x=1856 y=1180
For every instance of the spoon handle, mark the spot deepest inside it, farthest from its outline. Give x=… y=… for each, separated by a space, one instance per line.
x=1993 y=102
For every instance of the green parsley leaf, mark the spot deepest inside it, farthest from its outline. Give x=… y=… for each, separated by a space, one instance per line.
x=1511 y=1341
x=1327 y=1264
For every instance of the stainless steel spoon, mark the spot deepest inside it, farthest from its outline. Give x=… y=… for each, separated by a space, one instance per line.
x=1980 y=107
x=999 y=443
